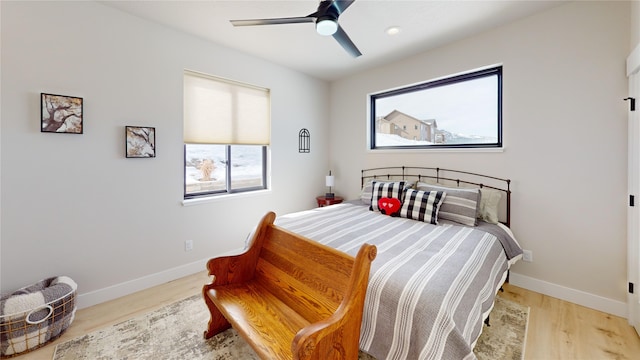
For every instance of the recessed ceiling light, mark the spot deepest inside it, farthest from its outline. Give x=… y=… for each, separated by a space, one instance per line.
x=393 y=30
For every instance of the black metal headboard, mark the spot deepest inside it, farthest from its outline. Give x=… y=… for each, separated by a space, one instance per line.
x=441 y=175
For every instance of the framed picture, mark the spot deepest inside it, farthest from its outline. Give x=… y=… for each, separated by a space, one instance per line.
x=61 y=114
x=140 y=142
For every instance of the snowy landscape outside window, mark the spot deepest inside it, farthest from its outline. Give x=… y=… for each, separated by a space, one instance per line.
x=461 y=111
x=226 y=136
x=219 y=169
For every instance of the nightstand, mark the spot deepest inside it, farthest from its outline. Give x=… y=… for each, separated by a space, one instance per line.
x=324 y=201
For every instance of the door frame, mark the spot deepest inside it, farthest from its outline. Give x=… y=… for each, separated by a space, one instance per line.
x=633 y=212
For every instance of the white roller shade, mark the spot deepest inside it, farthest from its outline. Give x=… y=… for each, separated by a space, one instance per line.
x=219 y=111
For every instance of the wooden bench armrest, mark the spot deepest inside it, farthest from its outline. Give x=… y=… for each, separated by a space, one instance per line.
x=240 y=268
x=338 y=336
x=234 y=269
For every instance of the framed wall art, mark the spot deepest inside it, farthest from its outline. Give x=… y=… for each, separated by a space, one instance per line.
x=140 y=142
x=61 y=114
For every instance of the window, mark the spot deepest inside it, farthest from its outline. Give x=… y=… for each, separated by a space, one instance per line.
x=461 y=111
x=226 y=136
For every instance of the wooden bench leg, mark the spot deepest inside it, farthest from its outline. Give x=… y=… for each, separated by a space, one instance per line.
x=217 y=322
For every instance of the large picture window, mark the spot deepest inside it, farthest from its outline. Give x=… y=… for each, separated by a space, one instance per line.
x=461 y=111
x=226 y=136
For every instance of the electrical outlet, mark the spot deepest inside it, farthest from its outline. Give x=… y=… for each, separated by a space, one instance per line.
x=527 y=255
x=188 y=245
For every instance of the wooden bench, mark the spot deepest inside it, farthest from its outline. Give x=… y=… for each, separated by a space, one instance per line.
x=290 y=297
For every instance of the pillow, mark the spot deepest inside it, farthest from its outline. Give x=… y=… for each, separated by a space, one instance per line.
x=389 y=206
x=385 y=189
x=422 y=205
x=367 y=189
x=489 y=202
x=365 y=193
x=460 y=205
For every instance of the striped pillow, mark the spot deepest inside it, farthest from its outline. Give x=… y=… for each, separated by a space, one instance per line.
x=422 y=205
x=365 y=193
x=385 y=189
x=461 y=205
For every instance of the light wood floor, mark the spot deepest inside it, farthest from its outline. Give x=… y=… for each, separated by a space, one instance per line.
x=557 y=329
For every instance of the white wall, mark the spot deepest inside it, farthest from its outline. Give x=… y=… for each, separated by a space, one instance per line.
x=564 y=135
x=74 y=205
x=635 y=23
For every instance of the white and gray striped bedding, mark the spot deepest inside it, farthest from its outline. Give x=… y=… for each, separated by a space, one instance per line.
x=430 y=287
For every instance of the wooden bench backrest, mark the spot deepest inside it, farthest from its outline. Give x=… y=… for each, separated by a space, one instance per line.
x=309 y=277
x=311 y=293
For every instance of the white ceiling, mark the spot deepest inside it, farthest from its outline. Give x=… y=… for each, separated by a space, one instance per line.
x=425 y=24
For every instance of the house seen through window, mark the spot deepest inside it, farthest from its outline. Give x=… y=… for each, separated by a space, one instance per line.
x=460 y=111
x=226 y=136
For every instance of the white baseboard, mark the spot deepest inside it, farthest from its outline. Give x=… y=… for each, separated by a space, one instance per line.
x=610 y=306
x=129 y=287
x=579 y=297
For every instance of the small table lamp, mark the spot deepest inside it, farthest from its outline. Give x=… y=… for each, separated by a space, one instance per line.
x=329 y=182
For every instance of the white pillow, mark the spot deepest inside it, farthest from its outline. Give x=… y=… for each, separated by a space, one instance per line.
x=489 y=202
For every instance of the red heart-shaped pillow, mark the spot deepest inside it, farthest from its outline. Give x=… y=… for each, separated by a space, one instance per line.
x=389 y=206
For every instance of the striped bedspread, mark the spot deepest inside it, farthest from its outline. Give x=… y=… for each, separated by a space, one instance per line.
x=430 y=287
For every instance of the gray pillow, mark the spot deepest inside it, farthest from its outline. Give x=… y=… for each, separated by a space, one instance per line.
x=365 y=193
x=459 y=205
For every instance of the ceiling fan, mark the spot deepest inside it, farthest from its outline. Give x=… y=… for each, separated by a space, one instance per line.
x=326 y=19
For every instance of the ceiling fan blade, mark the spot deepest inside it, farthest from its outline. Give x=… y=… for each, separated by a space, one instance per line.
x=276 y=21
x=341 y=6
x=346 y=42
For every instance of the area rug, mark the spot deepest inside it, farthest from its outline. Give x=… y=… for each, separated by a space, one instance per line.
x=175 y=332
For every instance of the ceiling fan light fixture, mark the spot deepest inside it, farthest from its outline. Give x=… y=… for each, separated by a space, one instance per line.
x=326 y=25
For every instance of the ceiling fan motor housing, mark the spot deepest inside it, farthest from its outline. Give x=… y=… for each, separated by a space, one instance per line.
x=327 y=20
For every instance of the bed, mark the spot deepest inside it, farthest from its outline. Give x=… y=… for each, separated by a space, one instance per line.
x=438 y=268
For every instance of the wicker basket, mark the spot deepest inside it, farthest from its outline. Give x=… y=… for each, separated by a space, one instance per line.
x=27 y=330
